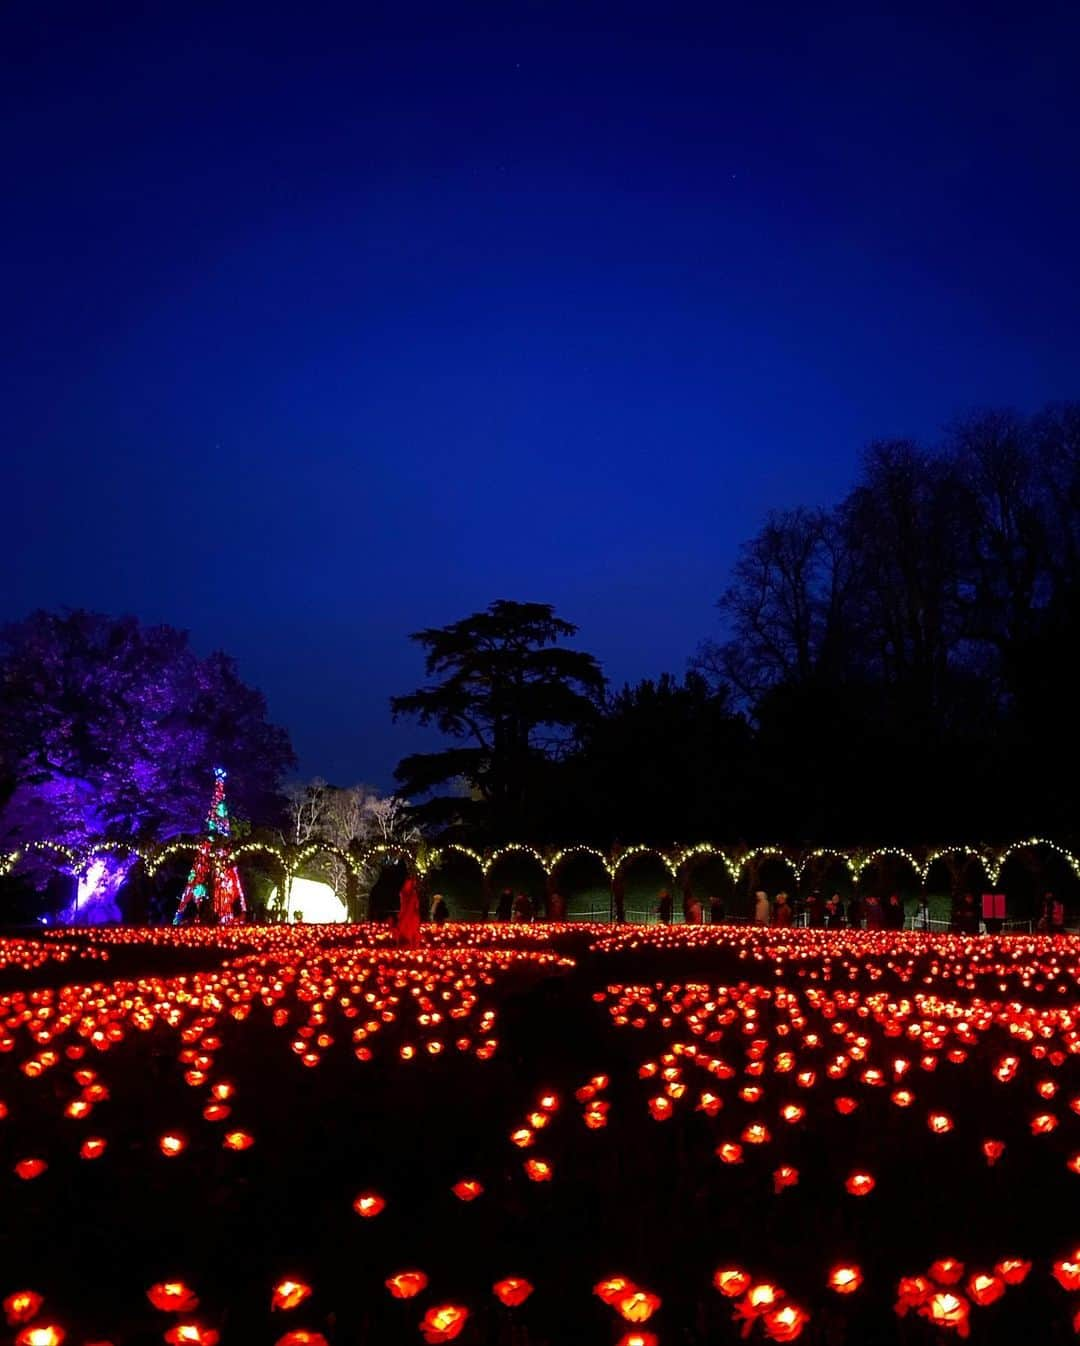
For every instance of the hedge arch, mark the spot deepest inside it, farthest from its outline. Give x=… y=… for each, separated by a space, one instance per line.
x=384 y=896
x=519 y=869
x=167 y=853
x=878 y=867
x=765 y=867
x=582 y=878
x=263 y=868
x=639 y=876
x=827 y=871
x=956 y=869
x=706 y=872
x=1029 y=869
x=458 y=874
x=164 y=877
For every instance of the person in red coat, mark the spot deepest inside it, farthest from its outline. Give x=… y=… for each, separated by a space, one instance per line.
x=408 y=922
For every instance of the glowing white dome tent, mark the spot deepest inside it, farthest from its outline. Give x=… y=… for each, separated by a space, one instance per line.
x=312 y=902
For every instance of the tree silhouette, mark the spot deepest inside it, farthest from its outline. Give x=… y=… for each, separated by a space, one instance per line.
x=513 y=699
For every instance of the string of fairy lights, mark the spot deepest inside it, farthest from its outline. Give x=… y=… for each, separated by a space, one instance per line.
x=293 y=861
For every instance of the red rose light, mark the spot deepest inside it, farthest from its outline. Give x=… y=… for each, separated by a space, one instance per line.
x=637 y=1306
x=173 y=1297
x=845 y=1279
x=784 y=1176
x=946 y=1309
x=731 y=1281
x=192 y=1334
x=21 y=1306
x=1013 y=1270
x=947 y=1270
x=612 y=1289
x=288 y=1294
x=368 y=1205
x=984 y=1288
x=443 y=1322
x=468 y=1189
x=512 y=1291
x=42 y=1334
x=785 y=1323
x=406 y=1284
x=1067 y=1271
x=912 y=1292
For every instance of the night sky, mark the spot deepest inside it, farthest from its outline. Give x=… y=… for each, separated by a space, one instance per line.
x=323 y=323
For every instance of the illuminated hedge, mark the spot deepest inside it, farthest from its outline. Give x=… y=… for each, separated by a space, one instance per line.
x=292 y=860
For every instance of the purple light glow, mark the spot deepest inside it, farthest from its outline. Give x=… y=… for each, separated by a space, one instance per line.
x=96 y=891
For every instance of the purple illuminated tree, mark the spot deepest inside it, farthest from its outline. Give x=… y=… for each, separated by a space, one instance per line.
x=214 y=876
x=110 y=730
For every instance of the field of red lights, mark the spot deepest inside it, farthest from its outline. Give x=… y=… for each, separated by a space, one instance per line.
x=538 y=1134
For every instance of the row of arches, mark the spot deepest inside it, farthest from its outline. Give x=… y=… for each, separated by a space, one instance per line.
x=589 y=883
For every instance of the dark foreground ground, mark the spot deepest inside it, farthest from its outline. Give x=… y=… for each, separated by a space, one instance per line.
x=981 y=1033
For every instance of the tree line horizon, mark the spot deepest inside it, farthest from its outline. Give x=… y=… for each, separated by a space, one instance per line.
x=893 y=669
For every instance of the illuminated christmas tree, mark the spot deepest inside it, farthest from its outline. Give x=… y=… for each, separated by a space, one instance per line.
x=214 y=876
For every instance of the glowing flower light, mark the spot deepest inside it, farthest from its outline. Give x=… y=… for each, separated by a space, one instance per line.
x=443 y=1322
x=993 y=1150
x=946 y=1309
x=784 y=1176
x=731 y=1281
x=1012 y=1270
x=192 y=1334
x=512 y=1291
x=41 y=1334
x=369 y=1204
x=22 y=1305
x=947 y=1270
x=288 y=1294
x=1067 y=1271
x=612 y=1289
x=985 y=1288
x=406 y=1284
x=637 y=1306
x=173 y=1297
x=845 y=1279
x=785 y=1322
x=468 y=1189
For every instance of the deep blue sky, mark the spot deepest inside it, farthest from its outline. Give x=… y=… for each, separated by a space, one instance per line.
x=322 y=323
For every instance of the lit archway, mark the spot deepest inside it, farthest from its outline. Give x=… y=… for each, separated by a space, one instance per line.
x=457 y=874
x=580 y=879
x=515 y=870
x=640 y=876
